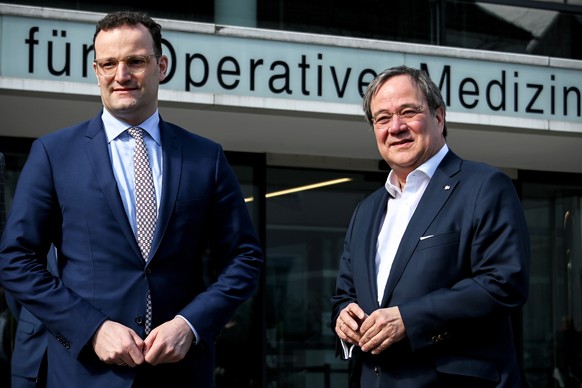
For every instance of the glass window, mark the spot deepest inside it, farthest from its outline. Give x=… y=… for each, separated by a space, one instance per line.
x=547 y=28
x=486 y=26
x=305 y=232
x=552 y=319
x=408 y=21
x=239 y=350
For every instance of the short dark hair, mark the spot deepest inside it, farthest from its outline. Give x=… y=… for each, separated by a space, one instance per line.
x=420 y=78
x=130 y=18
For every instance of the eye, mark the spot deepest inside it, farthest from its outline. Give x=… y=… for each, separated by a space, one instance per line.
x=408 y=113
x=107 y=64
x=382 y=120
x=135 y=61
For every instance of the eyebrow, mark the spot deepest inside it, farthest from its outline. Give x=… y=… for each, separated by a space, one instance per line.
x=401 y=107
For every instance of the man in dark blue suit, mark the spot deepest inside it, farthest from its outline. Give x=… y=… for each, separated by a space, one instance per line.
x=434 y=263
x=78 y=191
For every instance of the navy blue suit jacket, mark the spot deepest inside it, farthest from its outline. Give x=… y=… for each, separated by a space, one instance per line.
x=461 y=269
x=67 y=195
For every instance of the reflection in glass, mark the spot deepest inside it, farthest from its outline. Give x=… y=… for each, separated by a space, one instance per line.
x=552 y=332
x=305 y=232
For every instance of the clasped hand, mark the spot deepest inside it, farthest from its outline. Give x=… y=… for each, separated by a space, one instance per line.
x=372 y=333
x=115 y=343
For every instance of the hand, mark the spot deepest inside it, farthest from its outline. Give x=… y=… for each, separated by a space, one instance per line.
x=348 y=323
x=168 y=342
x=381 y=329
x=117 y=344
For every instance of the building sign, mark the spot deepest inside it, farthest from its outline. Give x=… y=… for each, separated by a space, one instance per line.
x=215 y=64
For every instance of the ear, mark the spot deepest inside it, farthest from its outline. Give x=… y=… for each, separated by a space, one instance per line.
x=163 y=67
x=440 y=117
x=95 y=70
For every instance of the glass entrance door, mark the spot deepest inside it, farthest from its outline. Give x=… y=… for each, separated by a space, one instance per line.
x=308 y=211
x=552 y=325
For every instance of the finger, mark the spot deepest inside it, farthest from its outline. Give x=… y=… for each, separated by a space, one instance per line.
x=355 y=312
x=345 y=319
x=346 y=333
x=371 y=337
x=135 y=351
x=377 y=340
x=339 y=329
x=369 y=331
x=341 y=325
x=369 y=324
x=383 y=346
x=153 y=348
x=369 y=343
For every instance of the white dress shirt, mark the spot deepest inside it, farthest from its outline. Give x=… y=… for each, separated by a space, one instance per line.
x=400 y=209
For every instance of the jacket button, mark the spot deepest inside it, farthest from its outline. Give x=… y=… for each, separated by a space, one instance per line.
x=139 y=321
x=377 y=370
x=148 y=271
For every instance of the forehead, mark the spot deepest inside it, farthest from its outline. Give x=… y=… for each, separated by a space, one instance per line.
x=123 y=40
x=397 y=91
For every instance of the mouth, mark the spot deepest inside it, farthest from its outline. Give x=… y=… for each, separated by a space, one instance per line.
x=399 y=143
x=123 y=90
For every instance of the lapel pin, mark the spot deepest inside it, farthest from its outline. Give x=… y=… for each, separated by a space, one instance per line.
x=447 y=187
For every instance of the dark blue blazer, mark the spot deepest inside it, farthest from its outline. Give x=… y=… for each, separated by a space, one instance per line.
x=461 y=269
x=67 y=195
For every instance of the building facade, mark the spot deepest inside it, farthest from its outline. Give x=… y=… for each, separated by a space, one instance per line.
x=279 y=85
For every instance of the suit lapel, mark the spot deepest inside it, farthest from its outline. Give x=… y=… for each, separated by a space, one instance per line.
x=98 y=155
x=438 y=191
x=172 y=169
x=378 y=212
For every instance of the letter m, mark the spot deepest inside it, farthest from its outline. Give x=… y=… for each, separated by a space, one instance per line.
x=445 y=82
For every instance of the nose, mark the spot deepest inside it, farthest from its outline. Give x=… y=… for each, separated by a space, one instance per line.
x=396 y=125
x=122 y=73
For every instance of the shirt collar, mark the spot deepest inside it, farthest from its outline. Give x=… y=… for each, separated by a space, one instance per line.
x=428 y=168
x=115 y=127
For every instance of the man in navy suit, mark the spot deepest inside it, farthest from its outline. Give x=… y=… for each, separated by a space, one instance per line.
x=77 y=191
x=435 y=262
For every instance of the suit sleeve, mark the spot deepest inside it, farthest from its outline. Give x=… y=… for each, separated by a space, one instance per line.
x=31 y=227
x=234 y=251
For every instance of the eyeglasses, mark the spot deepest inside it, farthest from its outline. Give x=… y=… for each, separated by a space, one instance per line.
x=135 y=64
x=405 y=116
